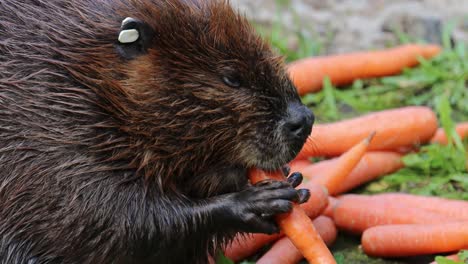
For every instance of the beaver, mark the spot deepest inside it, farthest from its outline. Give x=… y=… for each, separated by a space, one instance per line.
x=127 y=128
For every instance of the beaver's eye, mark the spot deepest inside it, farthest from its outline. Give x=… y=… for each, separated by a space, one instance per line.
x=232 y=81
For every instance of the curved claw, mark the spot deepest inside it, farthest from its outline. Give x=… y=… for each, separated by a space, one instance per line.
x=295 y=179
x=304 y=195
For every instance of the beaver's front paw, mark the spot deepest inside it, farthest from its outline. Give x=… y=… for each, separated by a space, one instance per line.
x=252 y=209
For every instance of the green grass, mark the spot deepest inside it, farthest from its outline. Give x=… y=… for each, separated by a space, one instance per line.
x=440 y=83
x=463 y=256
x=293 y=43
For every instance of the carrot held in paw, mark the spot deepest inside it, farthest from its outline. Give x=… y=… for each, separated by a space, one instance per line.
x=411 y=240
x=308 y=74
x=246 y=245
x=441 y=138
x=298 y=226
x=396 y=128
x=300 y=230
x=371 y=166
x=284 y=251
x=343 y=167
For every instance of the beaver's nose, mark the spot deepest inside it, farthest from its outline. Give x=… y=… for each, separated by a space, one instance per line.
x=298 y=122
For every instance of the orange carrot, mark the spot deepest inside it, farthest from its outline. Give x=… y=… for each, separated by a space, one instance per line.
x=284 y=251
x=319 y=168
x=453 y=257
x=343 y=167
x=371 y=166
x=396 y=128
x=318 y=200
x=356 y=213
x=441 y=138
x=455 y=209
x=411 y=240
x=298 y=226
x=308 y=74
x=326 y=228
x=299 y=165
x=244 y=246
x=332 y=204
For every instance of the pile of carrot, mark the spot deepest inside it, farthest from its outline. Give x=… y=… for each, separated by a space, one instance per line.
x=395 y=224
x=360 y=150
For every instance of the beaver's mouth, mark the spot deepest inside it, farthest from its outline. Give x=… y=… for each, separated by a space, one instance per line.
x=279 y=143
x=275 y=163
x=275 y=158
x=287 y=139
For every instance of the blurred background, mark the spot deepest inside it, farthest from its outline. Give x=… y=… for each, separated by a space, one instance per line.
x=348 y=25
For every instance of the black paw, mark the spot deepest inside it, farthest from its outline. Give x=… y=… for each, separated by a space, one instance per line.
x=252 y=209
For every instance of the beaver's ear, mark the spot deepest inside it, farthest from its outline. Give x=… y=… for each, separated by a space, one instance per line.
x=134 y=38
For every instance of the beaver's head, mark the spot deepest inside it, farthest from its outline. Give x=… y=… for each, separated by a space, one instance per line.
x=207 y=89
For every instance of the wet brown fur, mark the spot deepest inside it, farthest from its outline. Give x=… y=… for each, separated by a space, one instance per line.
x=101 y=157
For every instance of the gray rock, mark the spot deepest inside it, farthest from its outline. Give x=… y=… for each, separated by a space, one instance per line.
x=416 y=27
